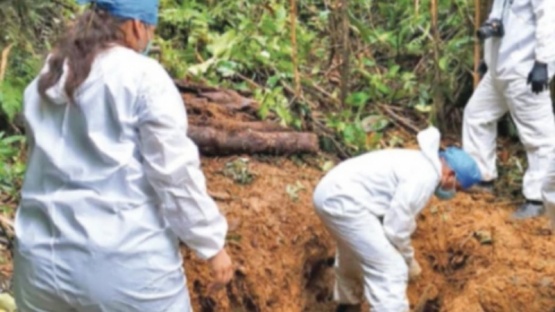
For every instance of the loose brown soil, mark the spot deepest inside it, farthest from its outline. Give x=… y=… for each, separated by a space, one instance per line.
x=284 y=254
x=473 y=258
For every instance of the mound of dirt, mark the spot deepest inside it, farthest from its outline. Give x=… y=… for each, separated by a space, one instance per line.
x=473 y=257
x=282 y=251
x=479 y=260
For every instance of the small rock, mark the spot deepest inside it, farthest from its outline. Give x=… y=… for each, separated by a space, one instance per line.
x=484 y=237
x=220 y=196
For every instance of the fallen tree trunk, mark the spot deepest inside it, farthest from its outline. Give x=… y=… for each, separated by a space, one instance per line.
x=216 y=142
x=235 y=126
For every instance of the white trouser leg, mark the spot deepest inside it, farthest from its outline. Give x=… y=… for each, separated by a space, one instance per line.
x=481 y=114
x=548 y=192
x=384 y=270
x=533 y=116
x=348 y=277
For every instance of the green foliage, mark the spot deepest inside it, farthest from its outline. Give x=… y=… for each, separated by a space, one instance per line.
x=10 y=99
x=247 y=45
x=236 y=43
x=12 y=169
x=28 y=27
x=238 y=171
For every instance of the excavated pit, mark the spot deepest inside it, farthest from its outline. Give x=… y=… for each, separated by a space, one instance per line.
x=473 y=257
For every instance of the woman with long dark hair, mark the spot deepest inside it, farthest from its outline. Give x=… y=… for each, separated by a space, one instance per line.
x=113 y=182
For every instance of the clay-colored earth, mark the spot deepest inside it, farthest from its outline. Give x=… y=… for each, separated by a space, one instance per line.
x=473 y=257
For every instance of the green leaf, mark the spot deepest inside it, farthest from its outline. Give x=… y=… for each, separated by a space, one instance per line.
x=202 y=68
x=7 y=303
x=357 y=99
x=423 y=108
x=11 y=98
x=443 y=62
x=394 y=70
x=374 y=123
x=327 y=166
x=227 y=68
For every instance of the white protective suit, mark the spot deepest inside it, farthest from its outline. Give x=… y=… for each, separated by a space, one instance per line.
x=369 y=204
x=529 y=36
x=112 y=185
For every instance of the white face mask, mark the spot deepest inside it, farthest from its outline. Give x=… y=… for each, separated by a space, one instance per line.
x=444 y=194
x=148 y=46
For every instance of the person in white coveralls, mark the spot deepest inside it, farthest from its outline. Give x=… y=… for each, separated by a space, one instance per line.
x=369 y=204
x=113 y=183
x=519 y=64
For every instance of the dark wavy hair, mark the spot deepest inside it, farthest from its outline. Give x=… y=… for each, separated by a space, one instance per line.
x=93 y=32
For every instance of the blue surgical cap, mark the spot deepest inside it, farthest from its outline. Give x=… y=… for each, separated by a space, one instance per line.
x=465 y=168
x=145 y=11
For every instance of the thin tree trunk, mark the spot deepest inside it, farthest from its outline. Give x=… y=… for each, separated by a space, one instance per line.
x=477 y=23
x=294 y=56
x=346 y=49
x=438 y=99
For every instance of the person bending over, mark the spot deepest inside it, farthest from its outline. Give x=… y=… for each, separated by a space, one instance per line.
x=369 y=204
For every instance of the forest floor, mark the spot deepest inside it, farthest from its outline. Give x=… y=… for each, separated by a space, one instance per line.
x=473 y=257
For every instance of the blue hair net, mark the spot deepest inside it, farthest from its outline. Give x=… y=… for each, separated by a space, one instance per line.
x=465 y=168
x=144 y=10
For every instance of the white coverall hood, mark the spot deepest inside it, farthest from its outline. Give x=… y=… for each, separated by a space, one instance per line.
x=369 y=204
x=112 y=185
x=429 y=143
x=57 y=94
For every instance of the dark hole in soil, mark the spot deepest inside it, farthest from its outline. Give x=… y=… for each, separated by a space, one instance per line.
x=313 y=269
x=457 y=259
x=207 y=304
x=324 y=296
x=250 y=305
x=432 y=306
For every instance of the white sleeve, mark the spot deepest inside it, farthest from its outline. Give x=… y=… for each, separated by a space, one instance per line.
x=172 y=166
x=544 y=10
x=400 y=219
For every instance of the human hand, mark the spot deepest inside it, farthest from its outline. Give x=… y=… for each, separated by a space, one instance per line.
x=414 y=270
x=222 y=270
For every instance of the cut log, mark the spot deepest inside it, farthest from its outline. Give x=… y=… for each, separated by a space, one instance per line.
x=226 y=98
x=201 y=106
x=232 y=100
x=216 y=142
x=236 y=126
x=189 y=87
